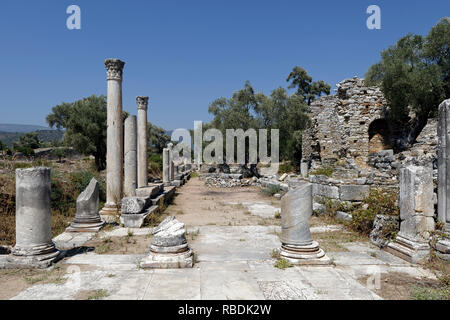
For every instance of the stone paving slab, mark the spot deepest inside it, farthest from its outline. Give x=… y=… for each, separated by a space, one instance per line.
x=70 y=240
x=234 y=262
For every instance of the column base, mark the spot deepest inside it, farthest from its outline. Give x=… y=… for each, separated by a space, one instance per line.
x=110 y=213
x=34 y=257
x=411 y=251
x=86 y=227
x=169 y=258
x=304 y=255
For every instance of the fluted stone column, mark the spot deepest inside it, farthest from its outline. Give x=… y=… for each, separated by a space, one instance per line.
x=166 y=166
x=142 y=105
x=114 y=140
x=443 y=245
x=130 y=157
x=34 y=246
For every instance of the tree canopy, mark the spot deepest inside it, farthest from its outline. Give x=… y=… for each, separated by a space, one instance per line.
x=27 y=143
x=85 y=124
x=306 y=88
x=415 y=73
x=247 y=109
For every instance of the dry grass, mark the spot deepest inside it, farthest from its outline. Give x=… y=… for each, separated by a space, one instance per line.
x=68 y=180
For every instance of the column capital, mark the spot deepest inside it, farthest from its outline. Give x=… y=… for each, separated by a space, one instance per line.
x=142 y=103
x=114 y=69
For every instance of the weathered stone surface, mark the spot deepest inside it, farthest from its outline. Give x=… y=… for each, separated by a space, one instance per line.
x=136 y=220
x=166 y=167
x=87 y=218
x=343 y=216
x=416 y=214
x=304 y=169
x=416 y=203
x=149 y=191
x=323 y=190
x=381 y=225
x=353 y=192
x=34 y=246
x=114 y=140
x=340 y=123
x=142 y=158
x=169 y=248
x=444 y=174
x=296 y=209
x=298 y=246
x=130 y=157
x=169 y=233
x=133 y=205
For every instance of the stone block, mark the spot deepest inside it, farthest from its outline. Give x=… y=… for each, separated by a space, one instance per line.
x=148 y=192
x=87 y=218
x=324 y=190
x=134 y=205
x=353 y=192
x=136 y=220
x=343 y=216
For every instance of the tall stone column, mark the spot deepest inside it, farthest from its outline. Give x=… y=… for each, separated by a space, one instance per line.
x=142 y=105
x=166 y=165
x=34 y=246
x=443 y=245
x=171 y=163
x=130 y=157
x=416 y=214
x=114 y=140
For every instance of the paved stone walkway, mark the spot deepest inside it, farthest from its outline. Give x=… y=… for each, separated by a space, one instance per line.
x=233 y=262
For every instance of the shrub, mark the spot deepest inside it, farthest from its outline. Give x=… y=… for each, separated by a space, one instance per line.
x=81 y=180
x=378 y=202
x=323 y=171
x=333 y=206
x=286 y=167
x=271 y=190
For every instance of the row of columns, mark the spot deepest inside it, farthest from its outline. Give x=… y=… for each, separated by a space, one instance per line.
x=126 y=152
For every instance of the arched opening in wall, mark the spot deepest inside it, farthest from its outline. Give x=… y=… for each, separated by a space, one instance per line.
x=379 y=136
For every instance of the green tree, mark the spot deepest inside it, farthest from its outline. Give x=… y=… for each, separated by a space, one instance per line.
x=85 y=124
x=288 y=113
x=306 y=88
x=158 y=138
x=414 y=75
x=2 y=146
x=27 y=143
x=60 y=153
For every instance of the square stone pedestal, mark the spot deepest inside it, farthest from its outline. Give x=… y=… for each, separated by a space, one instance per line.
x=443 y=249
x=411 y=251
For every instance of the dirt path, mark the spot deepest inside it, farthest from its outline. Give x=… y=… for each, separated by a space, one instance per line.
x=198 y=205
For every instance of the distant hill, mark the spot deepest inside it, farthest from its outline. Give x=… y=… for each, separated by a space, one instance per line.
x=9 y=138
x=21 y=128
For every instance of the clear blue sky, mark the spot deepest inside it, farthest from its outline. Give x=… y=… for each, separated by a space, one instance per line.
x=185 y=54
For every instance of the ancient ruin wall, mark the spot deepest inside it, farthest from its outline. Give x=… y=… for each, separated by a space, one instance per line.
x=341 y=123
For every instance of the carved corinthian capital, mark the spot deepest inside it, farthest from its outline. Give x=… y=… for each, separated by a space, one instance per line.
x=114 y=69
x=142 y=103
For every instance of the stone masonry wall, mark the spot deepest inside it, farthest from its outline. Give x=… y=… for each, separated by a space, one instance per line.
x=340 y=123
